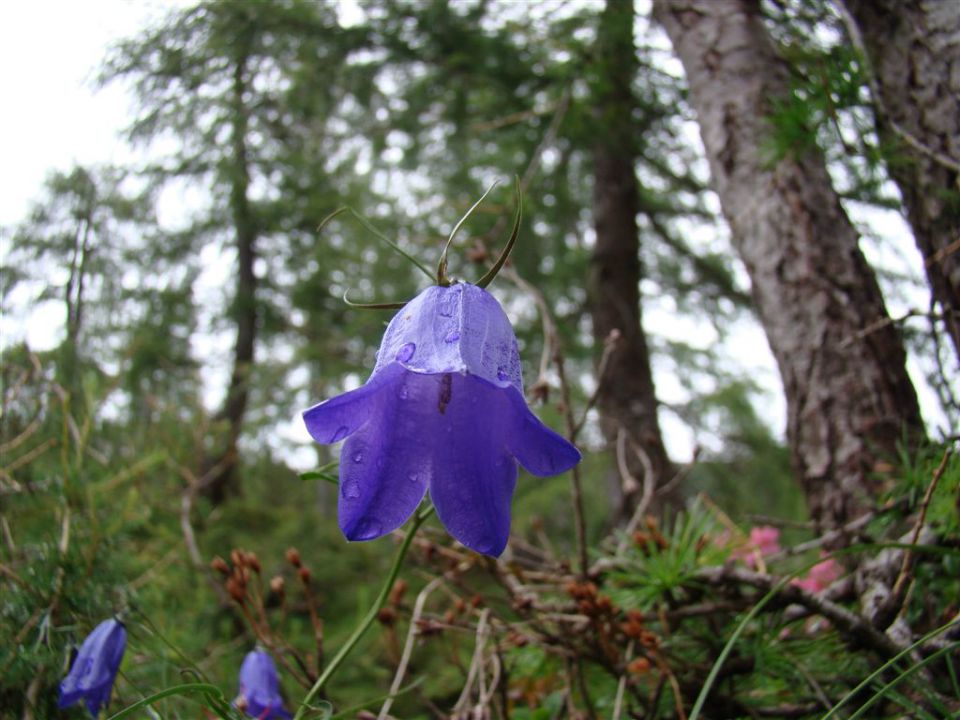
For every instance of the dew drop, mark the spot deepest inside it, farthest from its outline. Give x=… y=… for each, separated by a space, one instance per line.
x=350 y=489
x=417 y=478
x=502 y=374
x=357 y=457
x=447 y=304
x=452 y=336
x=406 y=352
x=367 y=529
x=340 y=434
x=403 y=392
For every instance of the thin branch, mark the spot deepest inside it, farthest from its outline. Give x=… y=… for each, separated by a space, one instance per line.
x=894 y=602
x=622 y=683
x=412 y=633
x=849 y=624
x=475 y=665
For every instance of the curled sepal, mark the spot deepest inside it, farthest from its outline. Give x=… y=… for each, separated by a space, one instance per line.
x=372 y=306
x=498 y=265
x=376 y=233
x=442 y=279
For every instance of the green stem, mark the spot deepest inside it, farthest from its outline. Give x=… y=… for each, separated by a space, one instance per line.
x=368 y=619
x=442 y=278
x=379 y=235
x=211 y=691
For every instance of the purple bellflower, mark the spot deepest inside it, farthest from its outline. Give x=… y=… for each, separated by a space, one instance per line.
x=442 y=411
x=95 y=668
x=259 y=694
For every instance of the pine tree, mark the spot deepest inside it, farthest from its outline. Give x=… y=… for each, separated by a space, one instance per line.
x=234 y=83
x=850 y=401
x=912 y=54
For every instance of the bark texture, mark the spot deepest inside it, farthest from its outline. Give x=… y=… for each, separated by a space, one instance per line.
x=913 y=49
x=627 y=401
x=849 y=399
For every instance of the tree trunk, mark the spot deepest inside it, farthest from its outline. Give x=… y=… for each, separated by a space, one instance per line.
x=849 y=399
x=626 y=401
x=913 y=49
x=220 y=472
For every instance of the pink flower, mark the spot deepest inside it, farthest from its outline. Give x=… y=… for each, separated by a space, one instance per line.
x=764 y=540
x=821 y=576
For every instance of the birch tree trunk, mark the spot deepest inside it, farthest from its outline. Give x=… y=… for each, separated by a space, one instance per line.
x=849 y=399
x=913 y=52
x=627 y=401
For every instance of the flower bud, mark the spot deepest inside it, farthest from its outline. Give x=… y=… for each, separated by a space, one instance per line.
x=639 y=666
x=253 y=562
x=398 y=590
x=236 y=557
x=220 y=565
x=236 y=589
x=649 y=639
x=304 y=573
x=293 y=557
x=277 y=585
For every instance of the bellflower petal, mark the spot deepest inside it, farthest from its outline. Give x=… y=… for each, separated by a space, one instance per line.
x=260 y=687
x=94 y=670
x=540 y=450
x=340 y=417
x=442 y=411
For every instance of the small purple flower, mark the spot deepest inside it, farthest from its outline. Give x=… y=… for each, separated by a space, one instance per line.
x=443 y=410
x=95 y=668
x=259 y=694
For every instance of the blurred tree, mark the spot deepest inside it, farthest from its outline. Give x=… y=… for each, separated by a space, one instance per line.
x=627 y=400
x=912 y=51
x=849 y=398
x=477 y=91
x=230 y=82
x=74 y=247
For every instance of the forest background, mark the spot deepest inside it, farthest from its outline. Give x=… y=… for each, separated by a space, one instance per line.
x=701 y=181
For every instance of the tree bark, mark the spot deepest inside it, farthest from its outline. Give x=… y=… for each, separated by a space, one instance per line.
x=849 y=399
x=220 y=477
x=913 y=53
x=627 y=401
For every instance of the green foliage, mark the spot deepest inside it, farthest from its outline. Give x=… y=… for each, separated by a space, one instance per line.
x=275 y=115
x=662 y=563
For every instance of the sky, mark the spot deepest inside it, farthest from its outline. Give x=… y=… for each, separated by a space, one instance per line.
x=50 y=50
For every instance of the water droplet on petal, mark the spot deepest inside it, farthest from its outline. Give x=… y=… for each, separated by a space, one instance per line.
x=447 y=304
x=502 y=374
x=406 y=352
x=340 y=434
x=452 y=336
x=357 y=457
x=367 y=529
x=418 y=478
x=350 y=489
x=403 y=392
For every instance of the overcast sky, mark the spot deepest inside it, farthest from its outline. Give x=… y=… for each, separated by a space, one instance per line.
x=52 y=119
